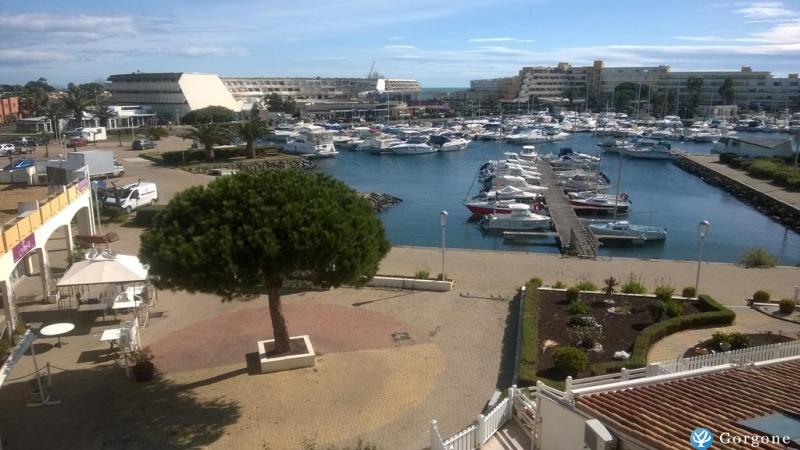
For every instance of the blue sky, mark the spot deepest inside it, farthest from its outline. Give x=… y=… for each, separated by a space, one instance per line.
x=441 y=43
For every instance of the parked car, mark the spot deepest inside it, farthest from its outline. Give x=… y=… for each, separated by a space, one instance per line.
x=7 y=149
x=77 y=142
x=143 y=144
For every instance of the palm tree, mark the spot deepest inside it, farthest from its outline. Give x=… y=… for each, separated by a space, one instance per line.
x=77 y=101
x=250 y=130
x=102 y=112
x=208 y=135
x=54 y=111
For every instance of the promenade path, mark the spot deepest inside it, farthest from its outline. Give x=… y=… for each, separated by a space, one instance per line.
x=712 y=162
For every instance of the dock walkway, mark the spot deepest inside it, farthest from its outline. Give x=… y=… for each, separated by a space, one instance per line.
x=574 y=237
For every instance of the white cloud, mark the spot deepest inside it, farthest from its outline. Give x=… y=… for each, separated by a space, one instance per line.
x=766 y=10
x=78 y=24
x=395 y=38
x=499 y=39
x=23 y=56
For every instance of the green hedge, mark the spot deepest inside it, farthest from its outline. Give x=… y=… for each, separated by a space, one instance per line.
x=714 y=315
x=145 y=215
x=194 y=155
x=529 y=349
x=780 y=172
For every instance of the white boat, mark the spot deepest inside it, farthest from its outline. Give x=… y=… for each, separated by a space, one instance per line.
x=529 y=153
x=415 y=145
x=520 y=219
x=502 y=181
x=599 y=203
x=449 y=144
x=649 y=149
x=622 y=229
x=313 y=142
x=377 y=144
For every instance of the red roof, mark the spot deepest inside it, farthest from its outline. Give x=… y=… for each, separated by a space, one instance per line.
x=662 y=415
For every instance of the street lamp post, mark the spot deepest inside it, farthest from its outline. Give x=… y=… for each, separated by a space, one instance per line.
x=443 y=223
x=702 y=230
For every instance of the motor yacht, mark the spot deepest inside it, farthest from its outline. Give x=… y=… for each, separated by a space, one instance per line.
x=312 y=141
x=521 y=218
x=414 y=145
x=449 y=144
x=622 y=229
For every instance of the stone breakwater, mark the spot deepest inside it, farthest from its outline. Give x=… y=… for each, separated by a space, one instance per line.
x=380 y=201
x=256 y=165
x=779 y=211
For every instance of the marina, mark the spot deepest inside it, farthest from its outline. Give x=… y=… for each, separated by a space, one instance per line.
x=661 y=195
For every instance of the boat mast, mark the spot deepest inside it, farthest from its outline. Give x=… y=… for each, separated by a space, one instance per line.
x=619 y=182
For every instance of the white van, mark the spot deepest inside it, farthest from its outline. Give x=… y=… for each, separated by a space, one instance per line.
x=132 y=196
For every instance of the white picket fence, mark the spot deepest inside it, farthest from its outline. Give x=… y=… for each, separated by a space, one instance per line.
x=475 y=435
x=741 y=356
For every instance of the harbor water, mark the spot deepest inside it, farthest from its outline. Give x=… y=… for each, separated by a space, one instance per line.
x=661 y=193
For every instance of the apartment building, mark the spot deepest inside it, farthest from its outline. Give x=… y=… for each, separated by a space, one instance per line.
x=250 y=90
x=502 y=88
x=170 y=95
x=752 y=89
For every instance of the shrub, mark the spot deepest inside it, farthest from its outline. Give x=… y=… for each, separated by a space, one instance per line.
x=570 y=360
x=634 y=285
x=673 y=308
x=657 y=309
x=786 y=306
x=761 y=296
x=714 y=315
x=587 y=336
x=536 y=282
x=529 y=344
x=577 y=307
x=146 y=215
x=559 y=285
x=738 y=340
x=689 y=292
x=610 y=284
x=422 y=274
x=763 y=168
x=573 y=294
x=577 y=321
x=586 y=285
x=664 y=292
x=758 y=257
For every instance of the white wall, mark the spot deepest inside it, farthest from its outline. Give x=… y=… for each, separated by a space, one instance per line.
x=561 y=428
x=202 y=90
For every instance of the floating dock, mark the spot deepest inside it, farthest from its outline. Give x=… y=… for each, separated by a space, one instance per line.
x=573 y=237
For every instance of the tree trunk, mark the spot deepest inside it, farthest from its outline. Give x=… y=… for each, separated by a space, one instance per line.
x=279 y=330
x=251 y=149
x=210 y=152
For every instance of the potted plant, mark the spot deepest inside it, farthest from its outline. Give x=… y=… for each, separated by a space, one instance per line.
x=143 y=368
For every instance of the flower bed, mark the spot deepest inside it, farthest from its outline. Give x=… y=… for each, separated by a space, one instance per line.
x=753 y=340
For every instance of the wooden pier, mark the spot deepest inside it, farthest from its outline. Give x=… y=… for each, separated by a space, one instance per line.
x=573 y=236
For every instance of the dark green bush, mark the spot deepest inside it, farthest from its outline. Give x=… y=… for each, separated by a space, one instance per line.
x=145 y=215
x=577 y=321
x=194 y=155
x=570 y=360
x=657 y=309
x=786 y=306
x=763 y=168
x=761 y=296
x=714 y=315
x=529 y=344
x=673 y=308
x=577 y=307
x=689 y=292
x=738 y=340
x=610 y=285
x=573 y=294
x=536 y=281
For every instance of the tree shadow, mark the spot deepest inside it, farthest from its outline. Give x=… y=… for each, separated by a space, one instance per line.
x=508 y=354
x=100 y=409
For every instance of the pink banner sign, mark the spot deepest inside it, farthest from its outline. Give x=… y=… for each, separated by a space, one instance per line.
x=83 y=184
x=24 y=247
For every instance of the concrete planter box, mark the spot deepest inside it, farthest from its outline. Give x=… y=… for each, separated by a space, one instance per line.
x=289 y=362
x=411 y=284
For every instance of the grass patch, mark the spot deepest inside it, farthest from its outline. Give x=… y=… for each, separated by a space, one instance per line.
x=757 y=258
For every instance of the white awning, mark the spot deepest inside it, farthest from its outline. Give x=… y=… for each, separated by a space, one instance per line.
x=105 y=268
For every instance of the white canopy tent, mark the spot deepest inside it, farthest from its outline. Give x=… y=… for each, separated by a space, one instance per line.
x=105 y=268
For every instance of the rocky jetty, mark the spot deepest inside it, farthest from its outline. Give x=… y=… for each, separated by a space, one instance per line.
x=255 y=165
x=379 y=200
x=777 y=210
